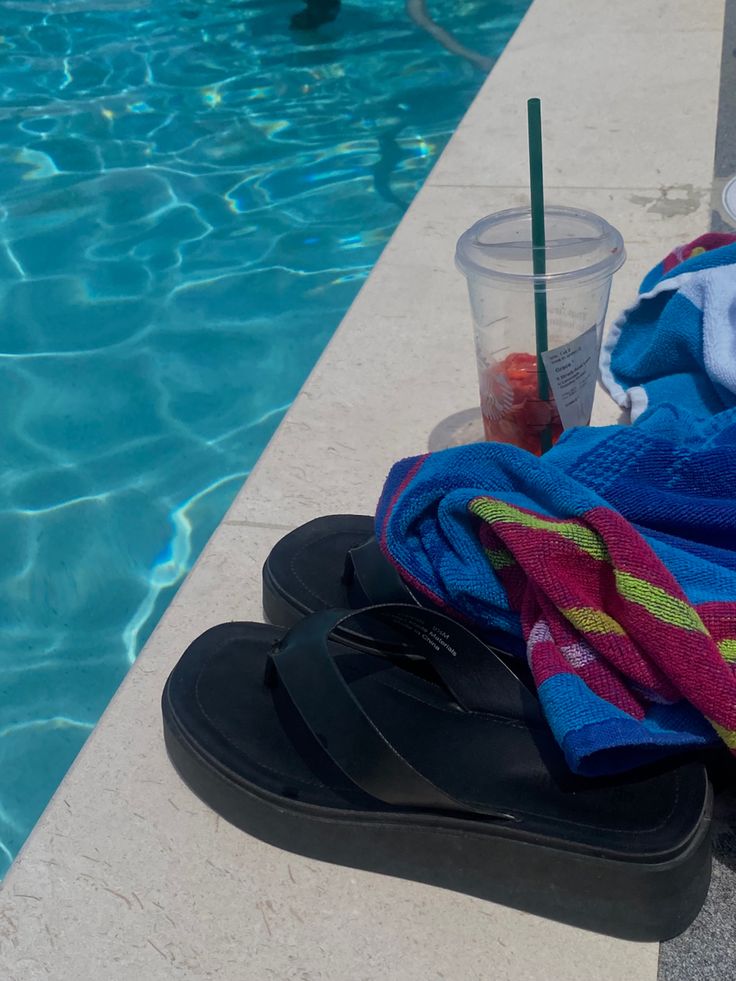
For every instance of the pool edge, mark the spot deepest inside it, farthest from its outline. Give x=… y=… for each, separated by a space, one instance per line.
x=104 y=865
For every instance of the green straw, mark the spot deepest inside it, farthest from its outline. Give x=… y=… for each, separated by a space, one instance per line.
x=539 y=264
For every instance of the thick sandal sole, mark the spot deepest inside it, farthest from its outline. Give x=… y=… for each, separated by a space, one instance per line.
x=634 y=900
x=279 y=604
x=277 y=608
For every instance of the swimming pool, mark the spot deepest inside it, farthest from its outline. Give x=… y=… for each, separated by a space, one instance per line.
x=191 y=196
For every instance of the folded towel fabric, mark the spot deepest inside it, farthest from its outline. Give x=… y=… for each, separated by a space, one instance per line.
x=614 y=556
x=611 y=555
x=677 y=343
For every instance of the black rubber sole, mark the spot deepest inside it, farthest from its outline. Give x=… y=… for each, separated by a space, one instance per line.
x=635 y=900
x=303 y=571
x=278 y=608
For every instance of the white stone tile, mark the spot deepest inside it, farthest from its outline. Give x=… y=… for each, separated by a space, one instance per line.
x=659 y=18
x=627 y=99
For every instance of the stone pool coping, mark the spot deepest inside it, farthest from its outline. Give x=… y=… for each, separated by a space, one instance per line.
x=126 y=875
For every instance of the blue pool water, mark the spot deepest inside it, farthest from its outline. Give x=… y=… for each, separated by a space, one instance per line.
x=191 y=195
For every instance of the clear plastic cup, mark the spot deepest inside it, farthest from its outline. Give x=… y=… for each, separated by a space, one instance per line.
x=522 y=401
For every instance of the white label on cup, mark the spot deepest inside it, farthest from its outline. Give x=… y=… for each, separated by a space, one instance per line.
x=572 y=370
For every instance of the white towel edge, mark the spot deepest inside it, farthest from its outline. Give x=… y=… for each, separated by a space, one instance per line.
x=621 y=396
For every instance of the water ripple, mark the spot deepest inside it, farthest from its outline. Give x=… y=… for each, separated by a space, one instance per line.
x=190 y=198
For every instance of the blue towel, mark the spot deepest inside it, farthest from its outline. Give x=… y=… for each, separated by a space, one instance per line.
x=612 y=559
x=677 y=343
x=660 y=496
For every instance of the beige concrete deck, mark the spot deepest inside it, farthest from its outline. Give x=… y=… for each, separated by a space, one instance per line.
x=127 y=876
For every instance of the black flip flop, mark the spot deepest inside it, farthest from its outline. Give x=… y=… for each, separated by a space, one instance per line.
x=331 y=563
x=344 y=756
x=335 y=562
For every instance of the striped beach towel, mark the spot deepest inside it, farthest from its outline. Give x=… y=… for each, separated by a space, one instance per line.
x=613 y=557
x=629 y=626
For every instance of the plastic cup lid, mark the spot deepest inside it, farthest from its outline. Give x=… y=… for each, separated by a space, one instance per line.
x=579 y=246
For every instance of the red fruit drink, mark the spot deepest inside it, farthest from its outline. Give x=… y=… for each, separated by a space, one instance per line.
x=505 y=287
x=511 y=407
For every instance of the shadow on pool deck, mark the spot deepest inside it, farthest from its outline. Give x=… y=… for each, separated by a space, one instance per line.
x=707 y=949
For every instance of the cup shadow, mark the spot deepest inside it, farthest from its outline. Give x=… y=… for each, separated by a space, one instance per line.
x=457 y=430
